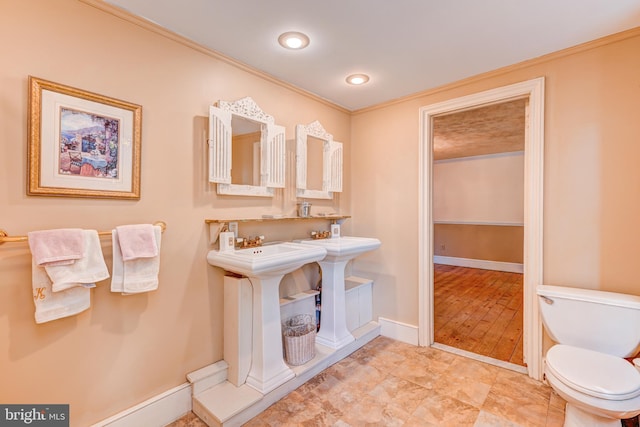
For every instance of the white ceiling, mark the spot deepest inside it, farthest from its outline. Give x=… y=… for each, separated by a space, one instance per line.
x=406 y=46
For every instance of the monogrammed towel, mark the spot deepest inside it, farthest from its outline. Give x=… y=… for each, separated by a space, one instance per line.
x=55 y=305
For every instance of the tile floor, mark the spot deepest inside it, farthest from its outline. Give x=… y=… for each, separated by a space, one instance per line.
x=390 y=383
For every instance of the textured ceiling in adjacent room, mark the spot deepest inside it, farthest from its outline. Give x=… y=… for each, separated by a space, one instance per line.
x=496 y=128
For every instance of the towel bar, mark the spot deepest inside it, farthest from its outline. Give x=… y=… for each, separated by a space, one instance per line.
x=5 y=238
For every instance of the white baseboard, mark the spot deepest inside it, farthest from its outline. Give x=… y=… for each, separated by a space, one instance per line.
x=157 y=411
x=510 y=267
x=398 y=331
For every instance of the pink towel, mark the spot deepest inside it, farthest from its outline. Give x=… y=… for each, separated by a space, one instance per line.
x=56 y=247
x=137 y=241
x=86 y=271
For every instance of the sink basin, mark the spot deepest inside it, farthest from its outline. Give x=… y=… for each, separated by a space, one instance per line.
x=269 y=260
x=345 y=247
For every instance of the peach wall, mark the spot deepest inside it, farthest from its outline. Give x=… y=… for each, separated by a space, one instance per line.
x=591 y=177
x=125 y=350
x=473 y=241
x=486 y=189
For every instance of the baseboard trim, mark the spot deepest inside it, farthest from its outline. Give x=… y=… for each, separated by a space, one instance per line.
x=157 y=411
x=509 y=267
x=398 y=331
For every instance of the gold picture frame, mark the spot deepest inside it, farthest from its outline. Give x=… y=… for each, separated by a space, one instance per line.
x=82 y=144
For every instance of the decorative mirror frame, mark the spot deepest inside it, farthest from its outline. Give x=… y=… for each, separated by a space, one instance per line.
x=331 y=162
x=272 y=148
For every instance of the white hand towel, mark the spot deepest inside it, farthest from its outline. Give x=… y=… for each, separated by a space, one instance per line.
x=86 y=271
x=117 y=270
x=56 y=247
x=55 y=305
x=137 y=275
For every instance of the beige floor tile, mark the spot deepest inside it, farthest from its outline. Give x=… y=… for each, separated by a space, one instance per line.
x=555 y=401
x=365 y=410
x=423 y=369
x=468 y=381
x=518 y=398
x=388 y=361
x=402 y=393
x=486 y=419
x=443 y=410
x=390 y=383
x=555 y=417
x=363 y=379
x=473 y=369
x=473 y=392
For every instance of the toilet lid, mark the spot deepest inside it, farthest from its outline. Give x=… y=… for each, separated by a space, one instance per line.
x=593 y=373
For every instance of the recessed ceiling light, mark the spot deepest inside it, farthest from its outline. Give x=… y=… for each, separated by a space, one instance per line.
x=293 y=40
x=357 y=79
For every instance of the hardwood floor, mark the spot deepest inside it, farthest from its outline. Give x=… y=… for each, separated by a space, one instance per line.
x=479 y=311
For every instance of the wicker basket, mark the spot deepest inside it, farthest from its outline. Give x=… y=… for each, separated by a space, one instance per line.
x=299 y=333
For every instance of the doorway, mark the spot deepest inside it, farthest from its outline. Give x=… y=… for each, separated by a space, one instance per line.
x=478 y=232
x=533 y=91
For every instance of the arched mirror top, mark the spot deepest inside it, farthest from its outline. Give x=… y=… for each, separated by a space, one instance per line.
x=246 y=107
x=318 y=162
x=314 y=129
x=246 y=149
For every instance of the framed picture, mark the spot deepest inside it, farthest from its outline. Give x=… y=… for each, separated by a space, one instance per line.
x=82 y=144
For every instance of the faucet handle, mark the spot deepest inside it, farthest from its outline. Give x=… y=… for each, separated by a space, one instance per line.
x=322 y=234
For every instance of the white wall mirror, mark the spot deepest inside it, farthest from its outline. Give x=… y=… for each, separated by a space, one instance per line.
x=246 y=149
x=318 y=162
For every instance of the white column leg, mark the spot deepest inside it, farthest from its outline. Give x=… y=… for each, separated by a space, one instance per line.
x=333 y=320
x=268 y=369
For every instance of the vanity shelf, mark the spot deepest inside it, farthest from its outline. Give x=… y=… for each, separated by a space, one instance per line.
x=302 y=303
x=298 y=297
x=216 y=225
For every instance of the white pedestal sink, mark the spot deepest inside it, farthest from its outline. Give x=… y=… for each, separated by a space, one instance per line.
x=265 y=266
x=340 y=250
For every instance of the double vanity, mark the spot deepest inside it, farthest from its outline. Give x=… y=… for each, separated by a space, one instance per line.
x=247 y=156
x=270 y=378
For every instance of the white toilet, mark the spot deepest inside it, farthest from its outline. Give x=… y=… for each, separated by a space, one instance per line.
x=594 y=331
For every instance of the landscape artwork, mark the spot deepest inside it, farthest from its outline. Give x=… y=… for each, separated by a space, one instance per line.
x=82 y=144
x=89 y=144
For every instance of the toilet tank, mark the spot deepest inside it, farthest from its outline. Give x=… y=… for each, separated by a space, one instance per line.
x=607 y=322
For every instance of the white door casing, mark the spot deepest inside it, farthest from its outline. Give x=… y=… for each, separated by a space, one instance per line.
x=533 y=90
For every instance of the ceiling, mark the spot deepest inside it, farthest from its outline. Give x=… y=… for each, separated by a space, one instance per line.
x=405 y=46
x=496 y=128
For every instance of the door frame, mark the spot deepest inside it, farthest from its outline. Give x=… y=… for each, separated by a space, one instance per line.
x=533 y=90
